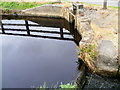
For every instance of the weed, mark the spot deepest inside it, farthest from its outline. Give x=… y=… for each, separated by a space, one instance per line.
x=89 y=50
x=62 y=86
x=68 y=85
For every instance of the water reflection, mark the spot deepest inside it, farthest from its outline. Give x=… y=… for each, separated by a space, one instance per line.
x=30 y=61
x=0 y=63
x=27 y=28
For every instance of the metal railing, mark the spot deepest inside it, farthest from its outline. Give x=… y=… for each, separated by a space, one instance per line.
x=28 y=31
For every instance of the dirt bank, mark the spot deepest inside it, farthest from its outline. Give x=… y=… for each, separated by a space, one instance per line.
x=104 y=24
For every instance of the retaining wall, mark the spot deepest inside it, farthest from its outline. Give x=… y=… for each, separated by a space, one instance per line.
x=46 y=10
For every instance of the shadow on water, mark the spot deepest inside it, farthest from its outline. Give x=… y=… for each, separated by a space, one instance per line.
x=29 y=62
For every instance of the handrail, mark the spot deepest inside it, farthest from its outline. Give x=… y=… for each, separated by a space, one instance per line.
x=29 y=31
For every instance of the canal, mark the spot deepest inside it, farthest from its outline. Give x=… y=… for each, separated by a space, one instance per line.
x=47 y=56
x=29 y=62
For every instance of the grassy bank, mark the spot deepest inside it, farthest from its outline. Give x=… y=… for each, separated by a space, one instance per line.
x=20 y=5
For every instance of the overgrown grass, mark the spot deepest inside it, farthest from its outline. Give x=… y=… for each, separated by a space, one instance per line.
x=20 y=5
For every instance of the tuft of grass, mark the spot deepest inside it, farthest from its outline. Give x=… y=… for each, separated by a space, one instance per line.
x=44 y=85
x=89 y=50
x=20 y=5
x=70 y=86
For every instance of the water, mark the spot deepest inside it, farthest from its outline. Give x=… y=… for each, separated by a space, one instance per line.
x=29 y=62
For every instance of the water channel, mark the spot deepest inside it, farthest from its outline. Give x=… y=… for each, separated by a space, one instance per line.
x=48 y=56
x=30 y=62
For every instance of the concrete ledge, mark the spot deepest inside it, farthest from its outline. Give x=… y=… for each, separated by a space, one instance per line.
x=46 y=10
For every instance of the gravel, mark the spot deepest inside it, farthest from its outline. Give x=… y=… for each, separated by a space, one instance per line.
x=95 y=81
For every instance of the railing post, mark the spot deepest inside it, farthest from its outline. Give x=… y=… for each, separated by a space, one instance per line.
x=61 y=32
x=27 y=27
x=69 y=17
x=3 y=31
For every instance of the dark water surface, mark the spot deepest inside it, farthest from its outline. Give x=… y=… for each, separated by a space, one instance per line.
x=28 y=62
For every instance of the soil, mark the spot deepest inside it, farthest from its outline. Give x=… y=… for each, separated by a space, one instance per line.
x=104 y=23
x=105 y=26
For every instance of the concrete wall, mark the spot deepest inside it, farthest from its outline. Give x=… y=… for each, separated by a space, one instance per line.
x=46 y=10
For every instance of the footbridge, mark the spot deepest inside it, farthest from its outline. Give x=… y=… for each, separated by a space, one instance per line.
x=44 y=16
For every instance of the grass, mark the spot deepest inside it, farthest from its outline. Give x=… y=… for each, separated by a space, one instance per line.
x=68 y=85
x=99 y=5
x=118 y=71
x=94 y=4
x=88 y=50
x=26 y=5
x=64 y=0
x=62 y=86
x=114 y=7
x=20 y=5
